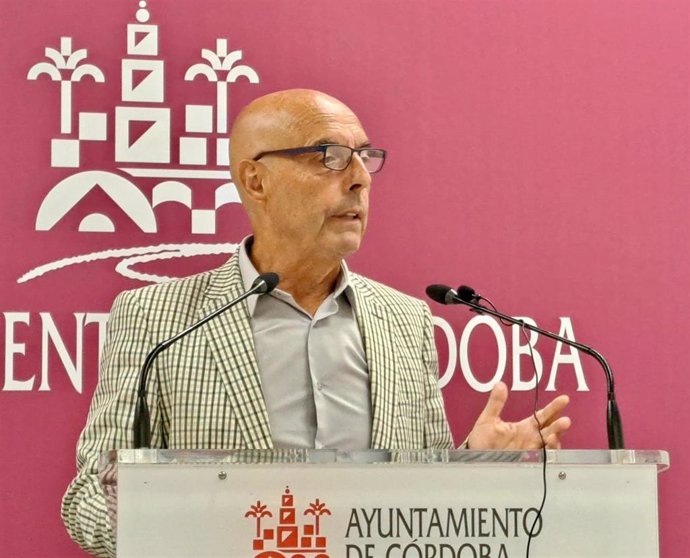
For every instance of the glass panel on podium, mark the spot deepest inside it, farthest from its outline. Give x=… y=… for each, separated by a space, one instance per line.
x=393 y=504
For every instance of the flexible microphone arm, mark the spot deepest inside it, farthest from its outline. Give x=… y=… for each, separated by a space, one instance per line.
x=141 y=426
x=614 y=425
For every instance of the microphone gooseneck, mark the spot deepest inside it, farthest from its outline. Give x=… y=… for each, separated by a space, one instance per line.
x=141 y=426
x=468 y=296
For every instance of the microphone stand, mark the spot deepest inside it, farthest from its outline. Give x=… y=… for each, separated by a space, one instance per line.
x=614 y=425
x=141 y=427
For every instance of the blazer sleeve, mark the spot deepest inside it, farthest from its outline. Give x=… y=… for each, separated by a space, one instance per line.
x=109 y=424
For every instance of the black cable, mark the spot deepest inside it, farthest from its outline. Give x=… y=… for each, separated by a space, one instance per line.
x=504 y=322
x=538 y=517
x=475 y=307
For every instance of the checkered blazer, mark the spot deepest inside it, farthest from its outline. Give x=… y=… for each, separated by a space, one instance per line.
x=205 y=392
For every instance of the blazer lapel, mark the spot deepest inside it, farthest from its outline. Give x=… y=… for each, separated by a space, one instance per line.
x=232 y=346
x=377 y=332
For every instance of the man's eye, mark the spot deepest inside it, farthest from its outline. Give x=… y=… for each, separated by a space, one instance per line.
x=335 y=157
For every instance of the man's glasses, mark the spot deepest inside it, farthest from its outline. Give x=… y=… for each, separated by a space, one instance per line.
x=337 y=157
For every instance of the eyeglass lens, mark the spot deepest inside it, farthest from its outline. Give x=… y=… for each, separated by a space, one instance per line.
x=337 y=157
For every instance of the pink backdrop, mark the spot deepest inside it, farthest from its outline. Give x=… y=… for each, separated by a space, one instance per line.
x=538 y=151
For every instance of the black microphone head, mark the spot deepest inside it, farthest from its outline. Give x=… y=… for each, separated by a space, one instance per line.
x=467 y=294
x=267 y=282
x=440 y=293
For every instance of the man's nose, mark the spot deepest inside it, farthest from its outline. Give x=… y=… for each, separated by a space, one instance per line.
x=359 y=175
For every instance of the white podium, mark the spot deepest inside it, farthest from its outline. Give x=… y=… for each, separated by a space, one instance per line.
x=387 y=504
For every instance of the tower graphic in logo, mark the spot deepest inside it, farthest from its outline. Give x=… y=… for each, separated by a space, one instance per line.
x=152 y=166
x=288 y=539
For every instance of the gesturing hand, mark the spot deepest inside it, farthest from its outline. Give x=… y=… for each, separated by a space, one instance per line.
x=491 y=432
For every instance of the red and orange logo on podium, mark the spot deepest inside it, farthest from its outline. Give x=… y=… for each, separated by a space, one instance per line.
x=288 y=539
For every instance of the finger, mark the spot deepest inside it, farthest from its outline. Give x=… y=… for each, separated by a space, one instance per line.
x=496 y=402
x=555 y=431
x=552 y=442
x=553 y=410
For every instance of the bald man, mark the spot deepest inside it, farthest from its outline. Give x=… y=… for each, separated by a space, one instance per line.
x=330 y=359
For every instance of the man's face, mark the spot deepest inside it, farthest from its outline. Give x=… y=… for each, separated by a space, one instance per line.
x=321 y=211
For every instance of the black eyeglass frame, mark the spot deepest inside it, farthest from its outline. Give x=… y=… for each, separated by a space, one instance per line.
x=322 y=149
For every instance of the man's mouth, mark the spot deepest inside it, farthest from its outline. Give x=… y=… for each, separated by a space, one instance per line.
x=349 y=214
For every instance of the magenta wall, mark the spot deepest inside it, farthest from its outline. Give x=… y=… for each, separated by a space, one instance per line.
x=539 y=151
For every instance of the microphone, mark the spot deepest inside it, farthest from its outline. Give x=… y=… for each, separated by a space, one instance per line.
x=141 y=426
x=442 y=294
x=467 y=296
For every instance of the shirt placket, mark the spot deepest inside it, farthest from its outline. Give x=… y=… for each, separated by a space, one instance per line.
x=318 y=363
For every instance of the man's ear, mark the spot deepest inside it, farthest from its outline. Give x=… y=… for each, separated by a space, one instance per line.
x=250 y=179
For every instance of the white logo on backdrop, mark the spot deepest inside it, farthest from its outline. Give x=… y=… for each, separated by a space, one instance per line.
x=141 y=135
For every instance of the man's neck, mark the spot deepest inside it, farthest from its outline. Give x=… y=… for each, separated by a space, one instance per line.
x=307 y=279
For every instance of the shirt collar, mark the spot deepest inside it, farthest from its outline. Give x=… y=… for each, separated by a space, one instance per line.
x=249 y=275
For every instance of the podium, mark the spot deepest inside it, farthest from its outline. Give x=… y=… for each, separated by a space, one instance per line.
x=387 y=504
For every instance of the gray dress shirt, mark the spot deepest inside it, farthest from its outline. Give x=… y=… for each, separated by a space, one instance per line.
x=313 y=370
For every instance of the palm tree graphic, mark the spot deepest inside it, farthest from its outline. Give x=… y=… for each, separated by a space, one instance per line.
x=66 y=69
x=221 y=61
x=258 y=511
x=317 y=509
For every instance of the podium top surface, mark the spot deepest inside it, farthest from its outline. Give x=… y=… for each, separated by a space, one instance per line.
x=659 y=458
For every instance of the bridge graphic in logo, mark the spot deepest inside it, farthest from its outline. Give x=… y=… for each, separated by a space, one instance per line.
x=153 y=167
x=288 y=538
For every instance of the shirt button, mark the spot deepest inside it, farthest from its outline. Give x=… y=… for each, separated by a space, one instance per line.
x=319 y=386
